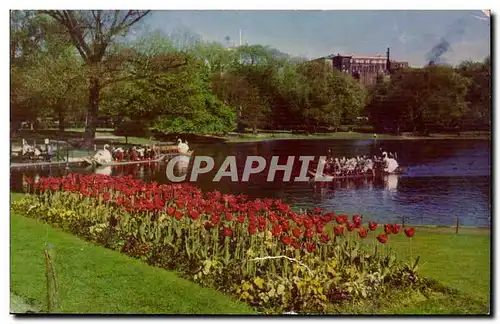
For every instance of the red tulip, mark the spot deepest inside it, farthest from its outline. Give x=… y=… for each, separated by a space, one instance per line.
x=338 y=230
x=341 y=219
x=227 y=231
x=252 y=229
x=388 y=228
x=395 y=228
x=286 y=225
x=194 y=214
x=229 y=217
x=317 y=210
x=410 y=232
x=329 y=216
x=309 y=233
x=382 y=238
x=178 y=215
x=276 y=230
x=310 y=247
x=324 y=238
x=215 y=218
x=296 y=232
x=372 y=226
x=350 y=226
x=181 y=203
x=356 y=219
x=286 y=239
x=295 y=243
x=308 y=223
x=363 y=232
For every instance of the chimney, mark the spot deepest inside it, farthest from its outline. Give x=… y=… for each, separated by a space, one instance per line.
x=388 y=64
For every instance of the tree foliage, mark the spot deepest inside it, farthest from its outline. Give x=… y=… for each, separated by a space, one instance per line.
x=420 y=100
x=91 y=33
x=77 y=65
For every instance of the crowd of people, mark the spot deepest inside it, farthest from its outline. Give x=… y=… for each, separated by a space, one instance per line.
x=133 y=153
x=40 y=152
x=360 y=165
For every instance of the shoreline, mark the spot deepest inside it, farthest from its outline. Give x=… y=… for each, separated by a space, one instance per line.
x=281 y=136
x=348 y=136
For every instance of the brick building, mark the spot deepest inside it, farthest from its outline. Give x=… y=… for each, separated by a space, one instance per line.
x=364 y=68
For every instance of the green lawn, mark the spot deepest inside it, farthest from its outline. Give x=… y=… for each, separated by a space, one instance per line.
x=461 y=261
x=93 y=279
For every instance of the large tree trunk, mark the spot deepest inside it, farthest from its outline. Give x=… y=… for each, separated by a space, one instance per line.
x=61 y=120
x=92 y=111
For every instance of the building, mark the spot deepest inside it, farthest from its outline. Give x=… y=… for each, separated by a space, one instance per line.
x=364 y=68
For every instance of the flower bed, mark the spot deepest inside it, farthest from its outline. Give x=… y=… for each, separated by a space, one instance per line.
x=259 y=250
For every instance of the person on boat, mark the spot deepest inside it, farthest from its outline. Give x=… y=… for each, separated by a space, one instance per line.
x=49 y=150
x=368 y=166
x=104 y=156
x=133 y=154
x=140 y=153
x=156 y=150
x=119 y=154
x=390 y=163
x=28 y=150
x=147 y=152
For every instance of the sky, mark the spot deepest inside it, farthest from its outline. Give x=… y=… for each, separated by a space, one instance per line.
x=411 y=34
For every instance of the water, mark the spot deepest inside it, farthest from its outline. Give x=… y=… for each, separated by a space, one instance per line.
x=446 y=179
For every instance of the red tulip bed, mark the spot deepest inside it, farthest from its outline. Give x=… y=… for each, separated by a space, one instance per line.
x=261 y=251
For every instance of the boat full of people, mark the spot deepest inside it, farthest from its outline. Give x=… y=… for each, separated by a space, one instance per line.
x=359 y=167
x=109 y=156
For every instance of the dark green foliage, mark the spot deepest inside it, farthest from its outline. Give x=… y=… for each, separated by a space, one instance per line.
x=136 y=128
x=420 y=101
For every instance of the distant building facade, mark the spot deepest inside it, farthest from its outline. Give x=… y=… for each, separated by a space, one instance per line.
x=364 y=68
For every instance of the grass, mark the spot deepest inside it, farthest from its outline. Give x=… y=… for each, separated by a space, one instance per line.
x=461 y=261
x=458 y=261
x=93 y=279
x=343 y=135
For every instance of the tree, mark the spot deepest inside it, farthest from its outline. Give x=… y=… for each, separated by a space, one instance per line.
x=176 y=99
x=479 y=92
x=26 y=38
x=216 y=57
x=418 y=100
x=241 y=89
x=56 y=77
x=246 y=79
x=321 y=96
x=92 y=32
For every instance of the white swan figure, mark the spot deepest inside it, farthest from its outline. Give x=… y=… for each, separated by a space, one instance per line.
x=391 y=164
x=104 y=156
x=107 y=170
x=182 y=147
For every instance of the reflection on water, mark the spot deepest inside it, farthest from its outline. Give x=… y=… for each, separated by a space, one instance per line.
x=445 y=180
